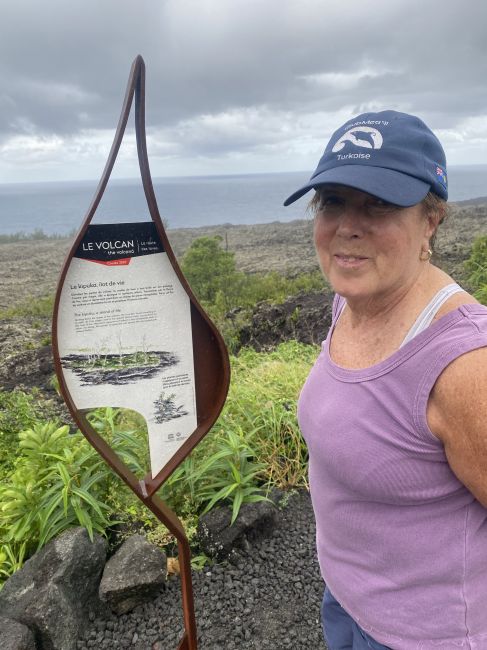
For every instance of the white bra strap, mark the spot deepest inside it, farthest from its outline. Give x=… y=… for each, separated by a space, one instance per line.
x=426 y=316
x=339 y=306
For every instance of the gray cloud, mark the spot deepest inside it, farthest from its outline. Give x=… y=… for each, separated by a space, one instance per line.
x=212 y=63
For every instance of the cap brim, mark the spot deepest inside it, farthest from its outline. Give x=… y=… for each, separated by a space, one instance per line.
x=387 y=184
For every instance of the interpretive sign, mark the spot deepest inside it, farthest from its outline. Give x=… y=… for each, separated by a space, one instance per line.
x=129 y=333
x=127 y=338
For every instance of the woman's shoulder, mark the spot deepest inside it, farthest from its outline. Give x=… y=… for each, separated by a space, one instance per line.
x=455 y=295
x=465 y=363
x=454 y=302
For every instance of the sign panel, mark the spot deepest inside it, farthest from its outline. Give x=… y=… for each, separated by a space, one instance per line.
x=124 y=333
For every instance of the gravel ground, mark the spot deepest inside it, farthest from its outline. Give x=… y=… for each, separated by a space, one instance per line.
x=268 y=599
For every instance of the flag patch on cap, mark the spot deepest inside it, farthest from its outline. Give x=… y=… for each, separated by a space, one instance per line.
x=441 y=175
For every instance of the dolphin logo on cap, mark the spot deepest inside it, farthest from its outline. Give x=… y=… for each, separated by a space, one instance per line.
x=363 y=136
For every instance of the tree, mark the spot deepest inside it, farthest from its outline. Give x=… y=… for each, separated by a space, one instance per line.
x=210 y=270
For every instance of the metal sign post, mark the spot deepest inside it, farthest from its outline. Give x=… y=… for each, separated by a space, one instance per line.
x=128 y=332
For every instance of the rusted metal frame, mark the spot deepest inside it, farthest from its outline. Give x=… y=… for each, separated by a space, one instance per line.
x=145 y=489
x=169 y=519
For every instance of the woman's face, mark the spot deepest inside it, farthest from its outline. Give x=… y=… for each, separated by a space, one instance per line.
x=367 y=248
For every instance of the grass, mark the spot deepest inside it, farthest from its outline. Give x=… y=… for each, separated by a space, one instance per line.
x=31 y=308
x=262 y=398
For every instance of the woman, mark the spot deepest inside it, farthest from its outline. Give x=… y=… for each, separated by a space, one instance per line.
x=394 y=412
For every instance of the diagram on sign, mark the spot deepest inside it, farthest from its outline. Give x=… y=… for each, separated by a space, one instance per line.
x=97 y=365
x=127 y=338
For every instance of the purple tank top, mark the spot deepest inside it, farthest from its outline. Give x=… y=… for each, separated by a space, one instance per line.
x=402 y=544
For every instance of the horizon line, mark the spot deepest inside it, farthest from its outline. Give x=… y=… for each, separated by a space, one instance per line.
x=192 y=176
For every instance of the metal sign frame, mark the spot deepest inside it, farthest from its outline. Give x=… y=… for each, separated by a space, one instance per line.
x=211 y=363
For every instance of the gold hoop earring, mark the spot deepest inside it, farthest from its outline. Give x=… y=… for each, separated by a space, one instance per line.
x=429 y=254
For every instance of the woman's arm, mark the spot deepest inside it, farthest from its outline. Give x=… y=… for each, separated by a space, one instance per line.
x=457 y=415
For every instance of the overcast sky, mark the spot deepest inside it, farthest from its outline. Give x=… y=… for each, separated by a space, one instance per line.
x=233 y=86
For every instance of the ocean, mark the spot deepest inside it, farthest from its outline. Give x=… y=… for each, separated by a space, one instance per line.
x=59 y=208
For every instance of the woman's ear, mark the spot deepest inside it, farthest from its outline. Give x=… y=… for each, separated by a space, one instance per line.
x=433 y=219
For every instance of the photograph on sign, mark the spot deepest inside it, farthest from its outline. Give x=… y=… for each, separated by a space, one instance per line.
x=125 y=337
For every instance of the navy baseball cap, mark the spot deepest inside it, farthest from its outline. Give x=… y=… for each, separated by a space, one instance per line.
x=391 y=155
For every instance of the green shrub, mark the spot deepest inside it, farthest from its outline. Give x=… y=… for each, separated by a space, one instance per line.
x=18 y=411
x=210 y=270
x=221 y=289
x=256 y=443
x=54 y=486
x=476 y=265
x=59 y=481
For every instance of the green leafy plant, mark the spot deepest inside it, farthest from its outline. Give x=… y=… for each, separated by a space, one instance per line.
x=231 y=473
x=11 y=559
x=200 y=561
x=476 y=265
x=60 y=481
x=181 y=488
x=126 y=432
x=18 y=411
x=52 y=488
x=262 y=398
